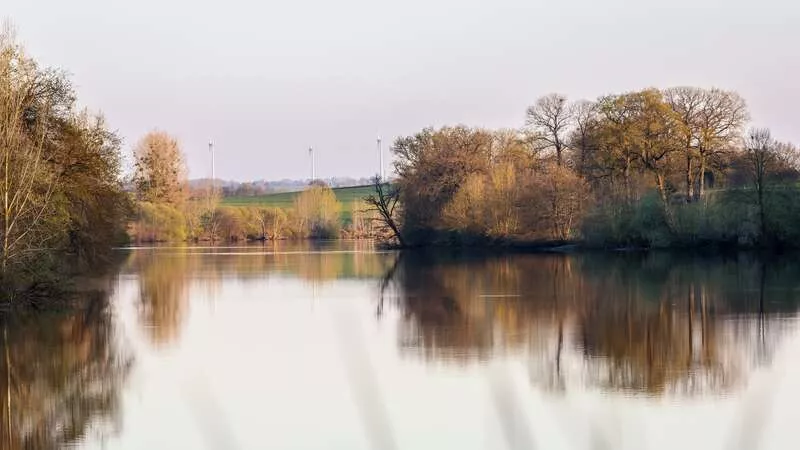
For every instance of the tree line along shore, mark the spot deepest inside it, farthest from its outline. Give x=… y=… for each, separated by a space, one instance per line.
x=675 y=167
x=654 y=168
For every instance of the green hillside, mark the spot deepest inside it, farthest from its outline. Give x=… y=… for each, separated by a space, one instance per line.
x=347 y=196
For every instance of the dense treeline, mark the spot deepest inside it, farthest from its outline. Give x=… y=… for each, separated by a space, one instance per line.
x=645 y=168
x=61 y=200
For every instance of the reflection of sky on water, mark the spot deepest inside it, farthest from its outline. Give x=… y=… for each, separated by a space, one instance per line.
x=297 y=350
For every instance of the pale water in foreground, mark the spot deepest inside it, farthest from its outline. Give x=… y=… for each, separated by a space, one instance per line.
x=340 y=346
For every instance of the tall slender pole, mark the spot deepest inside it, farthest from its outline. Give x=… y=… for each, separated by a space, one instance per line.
x=213 y=174
x=313 y=167
x=380 y=160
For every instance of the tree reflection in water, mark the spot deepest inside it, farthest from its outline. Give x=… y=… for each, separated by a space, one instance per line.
x=641 y=323
x=61 y=376
x=166 y=275
x=163 y=290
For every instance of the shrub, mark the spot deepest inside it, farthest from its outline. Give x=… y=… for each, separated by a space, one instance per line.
x=316 y=212
x=158 y=223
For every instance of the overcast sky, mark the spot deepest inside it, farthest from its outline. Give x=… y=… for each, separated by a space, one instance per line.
x=267 y=79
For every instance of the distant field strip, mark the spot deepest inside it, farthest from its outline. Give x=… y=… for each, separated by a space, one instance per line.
x=347 y=196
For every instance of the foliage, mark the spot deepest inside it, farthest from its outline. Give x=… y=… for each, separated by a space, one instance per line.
x=160 y=175
x=642 y=168
x=264 y=223
x=232 y=223
x=485 y=185
x=349 y=197
x=60 y=188
x=557 y=199
x=158 y=222
x=316 y=211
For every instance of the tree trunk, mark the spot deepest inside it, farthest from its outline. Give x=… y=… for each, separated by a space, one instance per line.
x=276 y=225
x=559 y=149
x=554 y=211
x=662 y=190
x=689 y=180
x=702 y=189
x=627 y=176
x=761 y=214
x=396 y=231
x=6 y=210
x=582 y=168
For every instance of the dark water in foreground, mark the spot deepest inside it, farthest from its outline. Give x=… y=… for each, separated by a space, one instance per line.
x=340 y=346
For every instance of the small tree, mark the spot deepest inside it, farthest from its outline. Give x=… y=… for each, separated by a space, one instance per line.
x=384 y=202
x=160 y=175
x=760 y=157
x=232 y=223
x=317 y=211
x=557 y=199
x=271 y=222
x=551 y=118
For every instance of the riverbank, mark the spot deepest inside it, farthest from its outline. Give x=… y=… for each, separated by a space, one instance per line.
x=570 y=246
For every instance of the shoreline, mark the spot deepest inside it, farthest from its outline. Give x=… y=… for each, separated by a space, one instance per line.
x=534 y=247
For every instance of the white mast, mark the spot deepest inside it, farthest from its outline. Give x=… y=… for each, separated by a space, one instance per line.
x=313 y=168
x=381 y=173
x=213 y=174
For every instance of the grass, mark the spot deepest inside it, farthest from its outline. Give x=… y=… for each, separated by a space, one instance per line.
x=347 y=196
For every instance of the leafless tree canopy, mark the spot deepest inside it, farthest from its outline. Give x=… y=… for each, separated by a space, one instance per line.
x=550 y=118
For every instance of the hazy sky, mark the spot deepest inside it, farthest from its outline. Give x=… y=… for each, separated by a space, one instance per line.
x=266 y=79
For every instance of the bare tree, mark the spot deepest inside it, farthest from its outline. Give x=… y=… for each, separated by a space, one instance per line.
x=558 y=196
x=657 y=139
x=271 y=221
x=712 y=123
x=720 y=123
x=760 y=156
x=788 y=156
x=583 y=140
x=640 y=132
x=550 y=118
x=686 y=102
x=384 y=201
x=617 y=157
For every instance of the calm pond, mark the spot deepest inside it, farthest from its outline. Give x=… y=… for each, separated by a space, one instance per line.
x=341 y=346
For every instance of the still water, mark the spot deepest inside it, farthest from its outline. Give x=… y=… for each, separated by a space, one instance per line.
x=341 y=346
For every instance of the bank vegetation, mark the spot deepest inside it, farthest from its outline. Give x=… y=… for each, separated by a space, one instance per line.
x=650 y=168
x=167 y=210
x=62 y=206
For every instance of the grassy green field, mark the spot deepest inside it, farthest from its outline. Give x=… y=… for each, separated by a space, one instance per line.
x=347 y=196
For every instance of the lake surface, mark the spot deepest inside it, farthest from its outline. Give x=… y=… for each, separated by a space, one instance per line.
x=340 y=346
